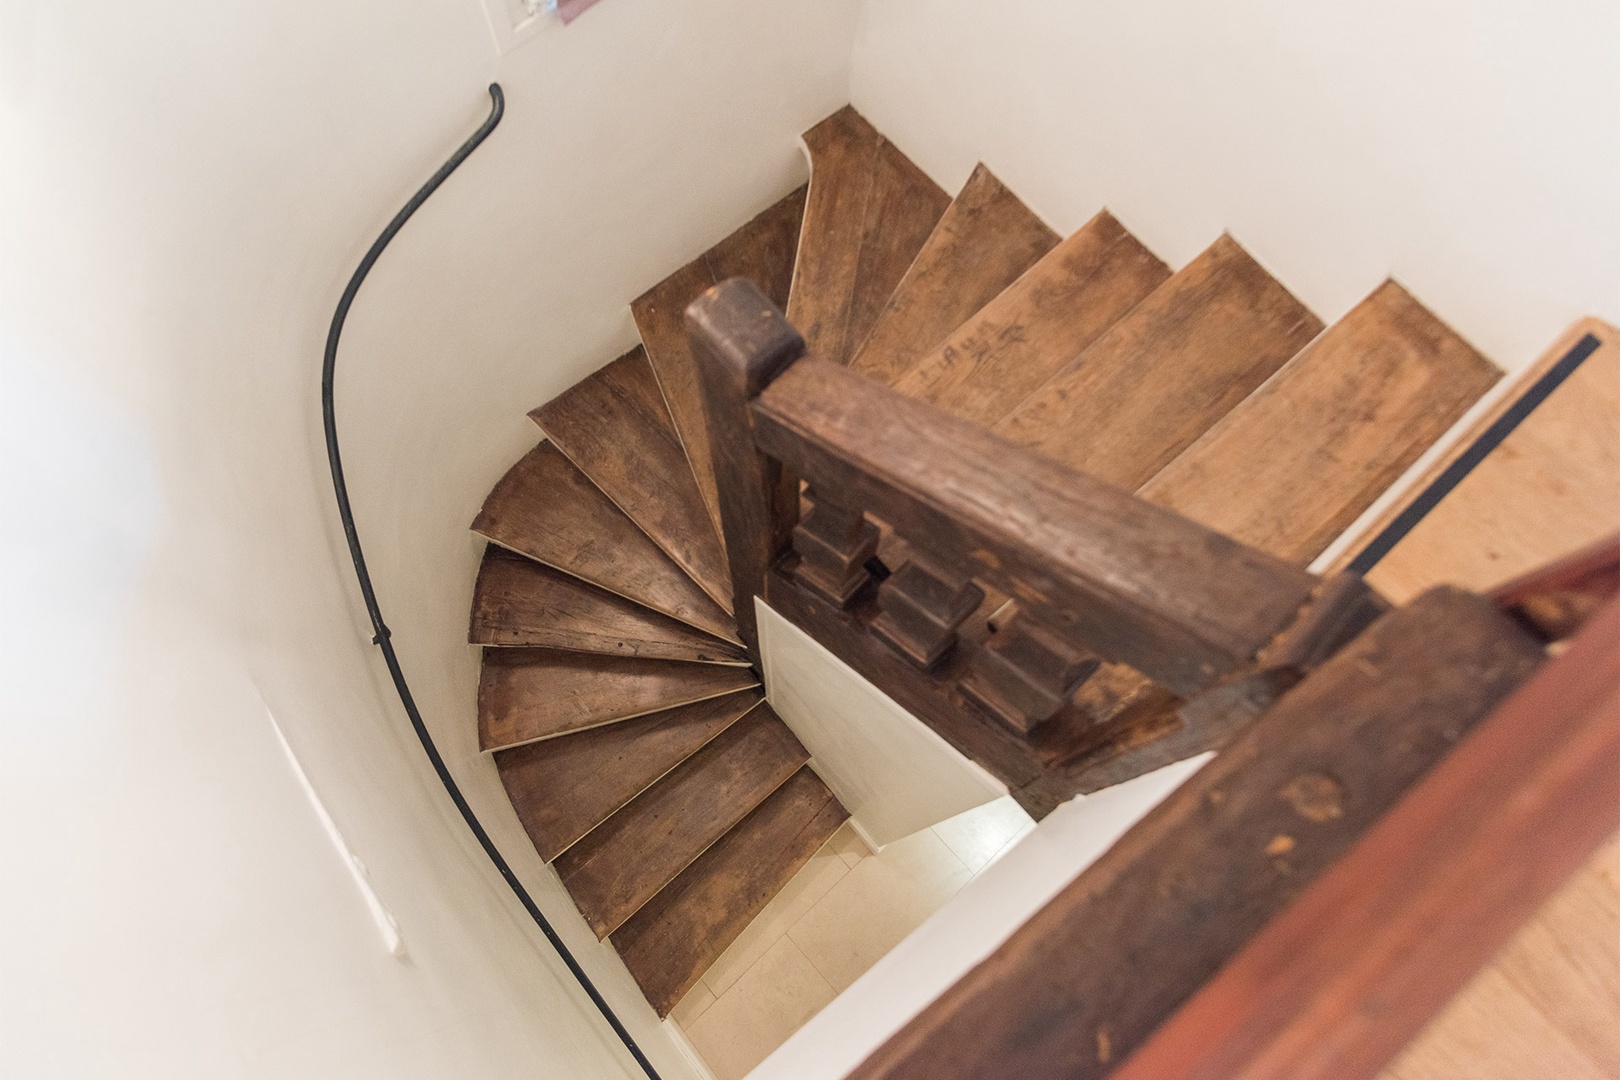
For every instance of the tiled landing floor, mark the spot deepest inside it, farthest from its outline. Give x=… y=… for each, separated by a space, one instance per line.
x=835 y=919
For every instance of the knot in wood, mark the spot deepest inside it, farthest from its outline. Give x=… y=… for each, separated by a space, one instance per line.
x=1315 y=797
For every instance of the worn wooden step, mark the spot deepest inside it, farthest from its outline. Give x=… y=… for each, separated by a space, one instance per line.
x=1039 y=324
x=613 y=425
x=529 y=694
x=1162 y=375
x=868 y=213
x=547 y=509
x=623 y=862
x=518 y=601
x=681 y=931
x=563 y=788
x=761 y=251
x=986 y=238
x=1300 y=459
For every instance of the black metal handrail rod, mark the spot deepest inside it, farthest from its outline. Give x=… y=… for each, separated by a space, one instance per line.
x=381 y=637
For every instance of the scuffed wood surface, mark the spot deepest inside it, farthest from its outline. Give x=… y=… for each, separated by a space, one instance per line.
x=681 y=931
x=518 y=601
x=984 y=241
x=562 y=788
x=1161 y=376
x=529 y=694
x=614 y=427
x=547 y=509
x=623 y=862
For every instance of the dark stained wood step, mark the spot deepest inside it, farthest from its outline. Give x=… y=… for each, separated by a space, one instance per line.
x=869 y=211
x=518 y=601
x=529 y=694
x=1300 y=459
x=563 y=788
x=613 y=425
x=761 y=251
x=681 y=931
x=1039 y=324
x=623 y=862
x=1161 y=376
x=547 y=509
x=986 y=238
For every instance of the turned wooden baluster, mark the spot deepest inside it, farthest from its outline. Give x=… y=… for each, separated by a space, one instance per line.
x=1026 y=672
x=923 y=603
x=833 y=544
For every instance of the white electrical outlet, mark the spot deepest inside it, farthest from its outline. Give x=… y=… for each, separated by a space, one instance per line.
x=515 y=21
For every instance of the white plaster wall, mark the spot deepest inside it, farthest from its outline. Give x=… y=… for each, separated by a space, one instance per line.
x=1468 y=149
x=186 y=187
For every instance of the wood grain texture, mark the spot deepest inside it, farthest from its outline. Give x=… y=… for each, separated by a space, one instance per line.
x=1358 y=964
x=623 y=862
x=563 y=788
x=1552 y=487
x=1161 y=376
x=547 y=509
x=1089 y=977
x=525 y=695
x=518 y=601
x=985 y=240
x=1039 y=324
x=676 y=935
x=761 y=251
x=614 y=427
x=869 y=211
x=1300 y=459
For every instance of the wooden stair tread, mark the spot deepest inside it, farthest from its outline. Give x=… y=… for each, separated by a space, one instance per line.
x=681 y=931
x=761 y=251
x=623 y=862
x=547 y=509
x=518 y=601
x=1161 y=376
x=985 y=240
x=563 y=788
x=1039 y=324
x=526 y=694
x=868 y=212
x=1301 y=458
x=613 y=425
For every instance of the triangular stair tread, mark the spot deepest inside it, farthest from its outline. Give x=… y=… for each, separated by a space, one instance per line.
x=680 y=932
x=1300 y=459
x=1039 y=324
x=869 y=211
x=563 y=788
x=613 y=425
x=761 y=251
x=548 y=510
x=984 y=241
x=623 y=862
x=518 y=601
x=1161 y=376
x=529 y=694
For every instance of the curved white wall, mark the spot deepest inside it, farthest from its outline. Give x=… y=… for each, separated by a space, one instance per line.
x=186 y=188
x=1468 y=149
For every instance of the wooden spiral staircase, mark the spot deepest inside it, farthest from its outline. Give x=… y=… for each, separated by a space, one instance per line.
x=618 y=694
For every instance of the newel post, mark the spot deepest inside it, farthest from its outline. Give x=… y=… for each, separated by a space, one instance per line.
x=741 y=342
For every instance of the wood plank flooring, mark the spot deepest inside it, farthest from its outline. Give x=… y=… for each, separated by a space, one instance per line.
x=518 y=601
x=613 y=425
x=529 y=694
x=672 y=940
x=1300 y=459
x=623 y=862
x=1161 y=376
x=562 y=788
x=985 y=240
x=761 y=251
x=547 y=509
x=1039 y=324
